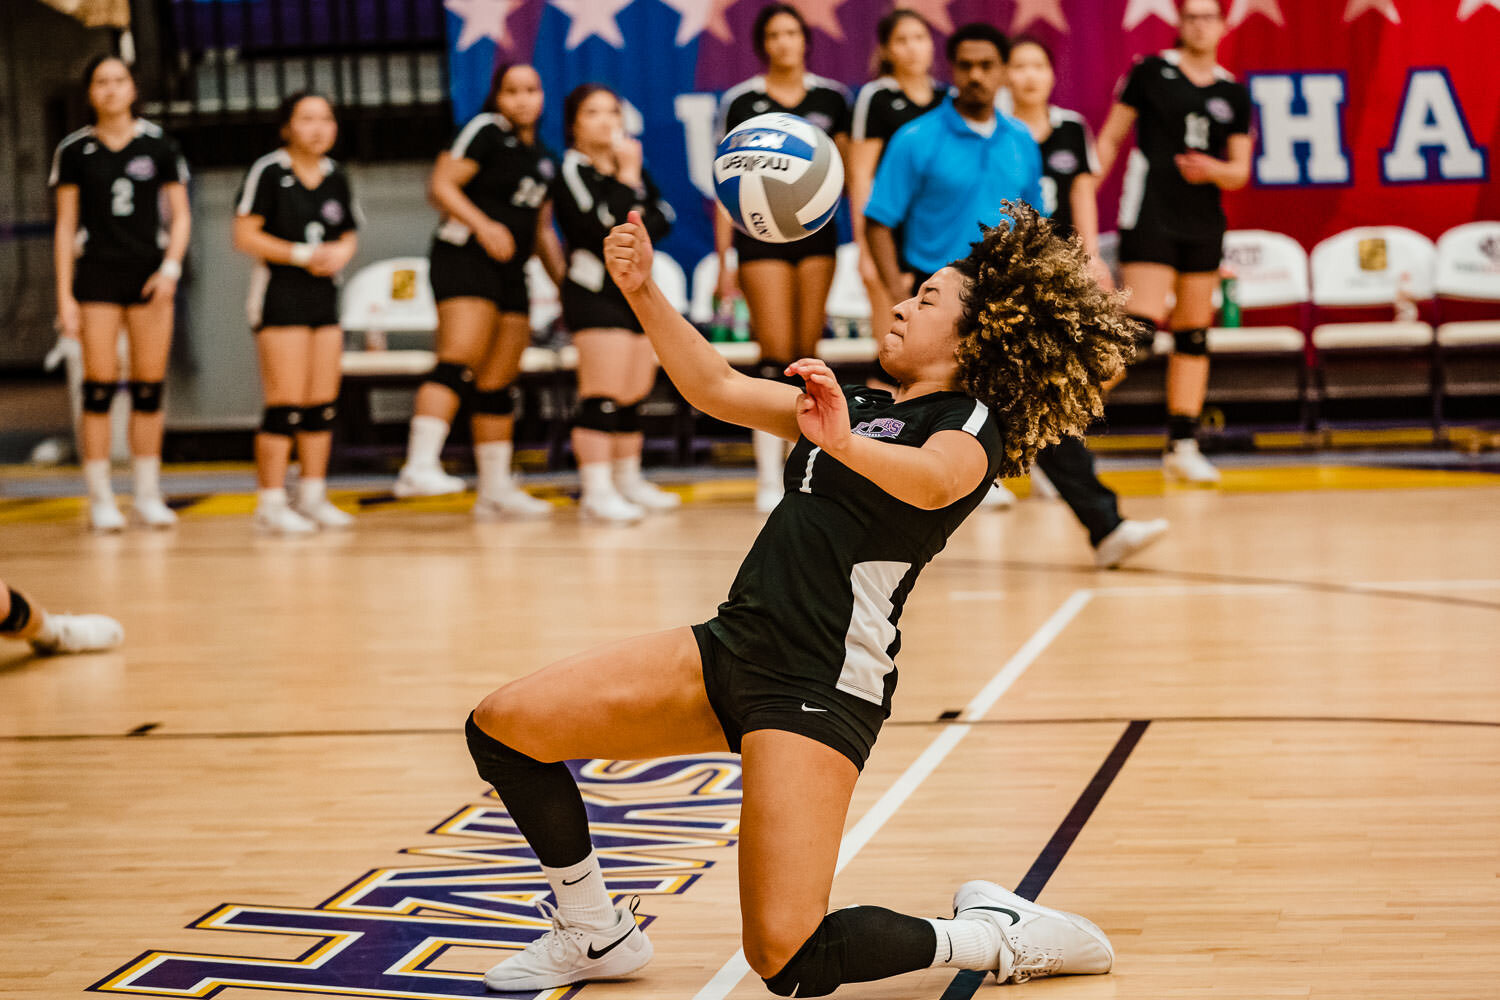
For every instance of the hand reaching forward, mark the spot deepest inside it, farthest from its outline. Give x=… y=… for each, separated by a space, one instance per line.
x=627 y=254
x=822 y=411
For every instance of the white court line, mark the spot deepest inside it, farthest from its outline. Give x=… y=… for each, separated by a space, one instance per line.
x=734 y=970
x=1188 y=589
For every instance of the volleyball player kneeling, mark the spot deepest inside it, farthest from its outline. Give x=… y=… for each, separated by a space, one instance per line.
x=995 y=356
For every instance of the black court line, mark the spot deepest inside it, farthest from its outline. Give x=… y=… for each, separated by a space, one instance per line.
x=966 y=983
x=143 y=729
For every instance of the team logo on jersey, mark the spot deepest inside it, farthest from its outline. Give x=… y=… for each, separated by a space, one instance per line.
x=899 y=104
x=1169 y=73
x=422 y=932
x=332 y=212
x=90 y=148
x=821 y=120
x=884 y=427
x=546 y=168
x=141 y=168
x=1222 y=111
x=287 y=180
x=760 y=106
x=1064 y=161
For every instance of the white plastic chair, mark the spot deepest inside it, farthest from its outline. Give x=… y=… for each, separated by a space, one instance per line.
x=1270 y=271
x=389 y=296
x=1368 y=267
x=1468 y=267
x=705 y=284
x=671 y=279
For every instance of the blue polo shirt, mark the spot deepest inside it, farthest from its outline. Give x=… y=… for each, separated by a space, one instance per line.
x=939 y=178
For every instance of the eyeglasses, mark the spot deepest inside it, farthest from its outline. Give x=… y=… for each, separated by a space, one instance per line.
x=1202 y=17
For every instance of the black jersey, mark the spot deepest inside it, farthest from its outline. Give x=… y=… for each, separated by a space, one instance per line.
x=825 y=104
x=821 y=592
x=511 y=186
x=589 y=204
x=1175 y=115
x=119 y=191
x=1066 y=153
x=292 y=211
x=882 y=107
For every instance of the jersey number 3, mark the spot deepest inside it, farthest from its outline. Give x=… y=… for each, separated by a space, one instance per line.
x=122 y=197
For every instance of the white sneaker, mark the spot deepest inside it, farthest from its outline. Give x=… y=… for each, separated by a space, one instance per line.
x=154 y=513
x=324 y=514
x=650 y=497
x=105 y=517
x=1128 y=538
x=767 y=497
x=514 y=503
x=1041 y=486
x=1035 y=941
x=1185 y=462
x=570 y=954
x=999 y=497
x=610 y=507
x=429 y=482
x=78 y=634
x=282 y=521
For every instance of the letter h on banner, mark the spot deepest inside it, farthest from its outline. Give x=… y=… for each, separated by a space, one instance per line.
x=1301 y=129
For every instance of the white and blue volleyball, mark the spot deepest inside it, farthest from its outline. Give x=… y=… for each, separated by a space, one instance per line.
x=779 y=177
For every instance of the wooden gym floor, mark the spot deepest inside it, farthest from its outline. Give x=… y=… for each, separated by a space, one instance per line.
x=1265 y=758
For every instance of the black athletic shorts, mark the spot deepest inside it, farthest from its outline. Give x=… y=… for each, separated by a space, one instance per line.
x=296 y=300
x=586 y=310
x=1198 y=255
x=823 y=243
x=117 y=283
x=747 y=697
x=467 y=272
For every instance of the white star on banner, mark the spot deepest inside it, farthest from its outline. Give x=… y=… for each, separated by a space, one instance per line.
x=1038 y=10
x=1386 y=8
x=482 y=19
x=1471 y=7
x=592 y=17
x=936 y=12
x=699 y=16
x=1137 y=11
x=822 y=15
x=1240 y=12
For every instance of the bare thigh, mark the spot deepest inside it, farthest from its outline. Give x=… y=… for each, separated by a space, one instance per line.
x=285 y=353
x=1195 y=301
x=642 y=374
x=502 y=362
x=150 y=329
x=99 y=332
x=769 y=287
x=814 y=279
x=627 y=700
x=465 y=327
x=325 y=357
x=1150 y=287
x=604 y=361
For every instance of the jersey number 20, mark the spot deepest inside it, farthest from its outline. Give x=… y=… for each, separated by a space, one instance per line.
x=530 y=193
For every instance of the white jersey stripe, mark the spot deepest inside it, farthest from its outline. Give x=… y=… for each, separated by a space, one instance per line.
x=252 y=179
x=460 y=148
x=976 y=420
x=576 y=187
x=72 y=137
x=858 y=130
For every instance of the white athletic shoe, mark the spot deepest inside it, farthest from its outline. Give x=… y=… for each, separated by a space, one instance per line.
x=282 y=521
x=1041 y=486
x=998 y=498
x=105 y=517
x=154 y=513
x=610 y=507
x=650 y=497
x=767 y=497
x=514 y=504
x=1185 y=462
x=325 y=515
x=1126 y=540
x=429 y=482
x=78 y=634
x=1035 y=941
x=570 y=954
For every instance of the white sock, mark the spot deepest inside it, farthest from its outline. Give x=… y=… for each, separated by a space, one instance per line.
x=597 y=479
x=271 y=499
x=966 y=944
x=311 y=492
x=493 y=459
x=581 y=896
x=424 y=445
x=770 y=458
x=147 y=477
x=627 y=471
x=96 y=478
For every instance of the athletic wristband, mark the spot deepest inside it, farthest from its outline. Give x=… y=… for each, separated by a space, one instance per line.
x=170 y=269
x=302 y=254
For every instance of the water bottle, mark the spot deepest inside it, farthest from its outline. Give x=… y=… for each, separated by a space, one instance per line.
x=739 y=330
x=718 y=326
x=1229 y=288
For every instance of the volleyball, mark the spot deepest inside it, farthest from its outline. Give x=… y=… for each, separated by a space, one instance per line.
x=779 y=177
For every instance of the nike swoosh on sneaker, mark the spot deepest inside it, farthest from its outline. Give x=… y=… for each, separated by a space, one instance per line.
x=612 y=945
x=808 y=708
x=1015 y=918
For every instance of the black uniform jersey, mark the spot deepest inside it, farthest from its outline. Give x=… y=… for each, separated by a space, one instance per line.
x=295 y=212
x=882 y=107
x=825 y=104
x=1175 y=115
x=821 y=592
x=1067 y=152
x=511 y=185
x=589 y=204
x=119 y=204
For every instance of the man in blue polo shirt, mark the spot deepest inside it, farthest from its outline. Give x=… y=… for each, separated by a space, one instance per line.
x=949 y=170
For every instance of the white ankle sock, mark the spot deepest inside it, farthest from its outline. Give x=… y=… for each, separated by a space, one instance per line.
x=424 y=445
x=597 y=479
x=96 y=478
x=311 y=492
x=493 y=459
x=581 y=896
x=271 y=499
x=770 y=458
x=147 y=470
x=627 y=471
x=966 y=944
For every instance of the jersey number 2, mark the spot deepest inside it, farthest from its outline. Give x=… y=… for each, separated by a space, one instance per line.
x=122 y=197
x=1197 y=132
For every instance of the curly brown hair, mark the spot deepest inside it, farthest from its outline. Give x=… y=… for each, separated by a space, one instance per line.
x=1038 y=337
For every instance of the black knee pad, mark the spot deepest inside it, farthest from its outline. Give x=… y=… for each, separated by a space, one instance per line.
x=494 y=402
x=598 y=413
x=19 y=615
x=629 y=419
x=98 y=395
x=319 y=417
x=283 y=421
x=818 y=967
x=1193 y=343
x=453 y=376
x=145 y=397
